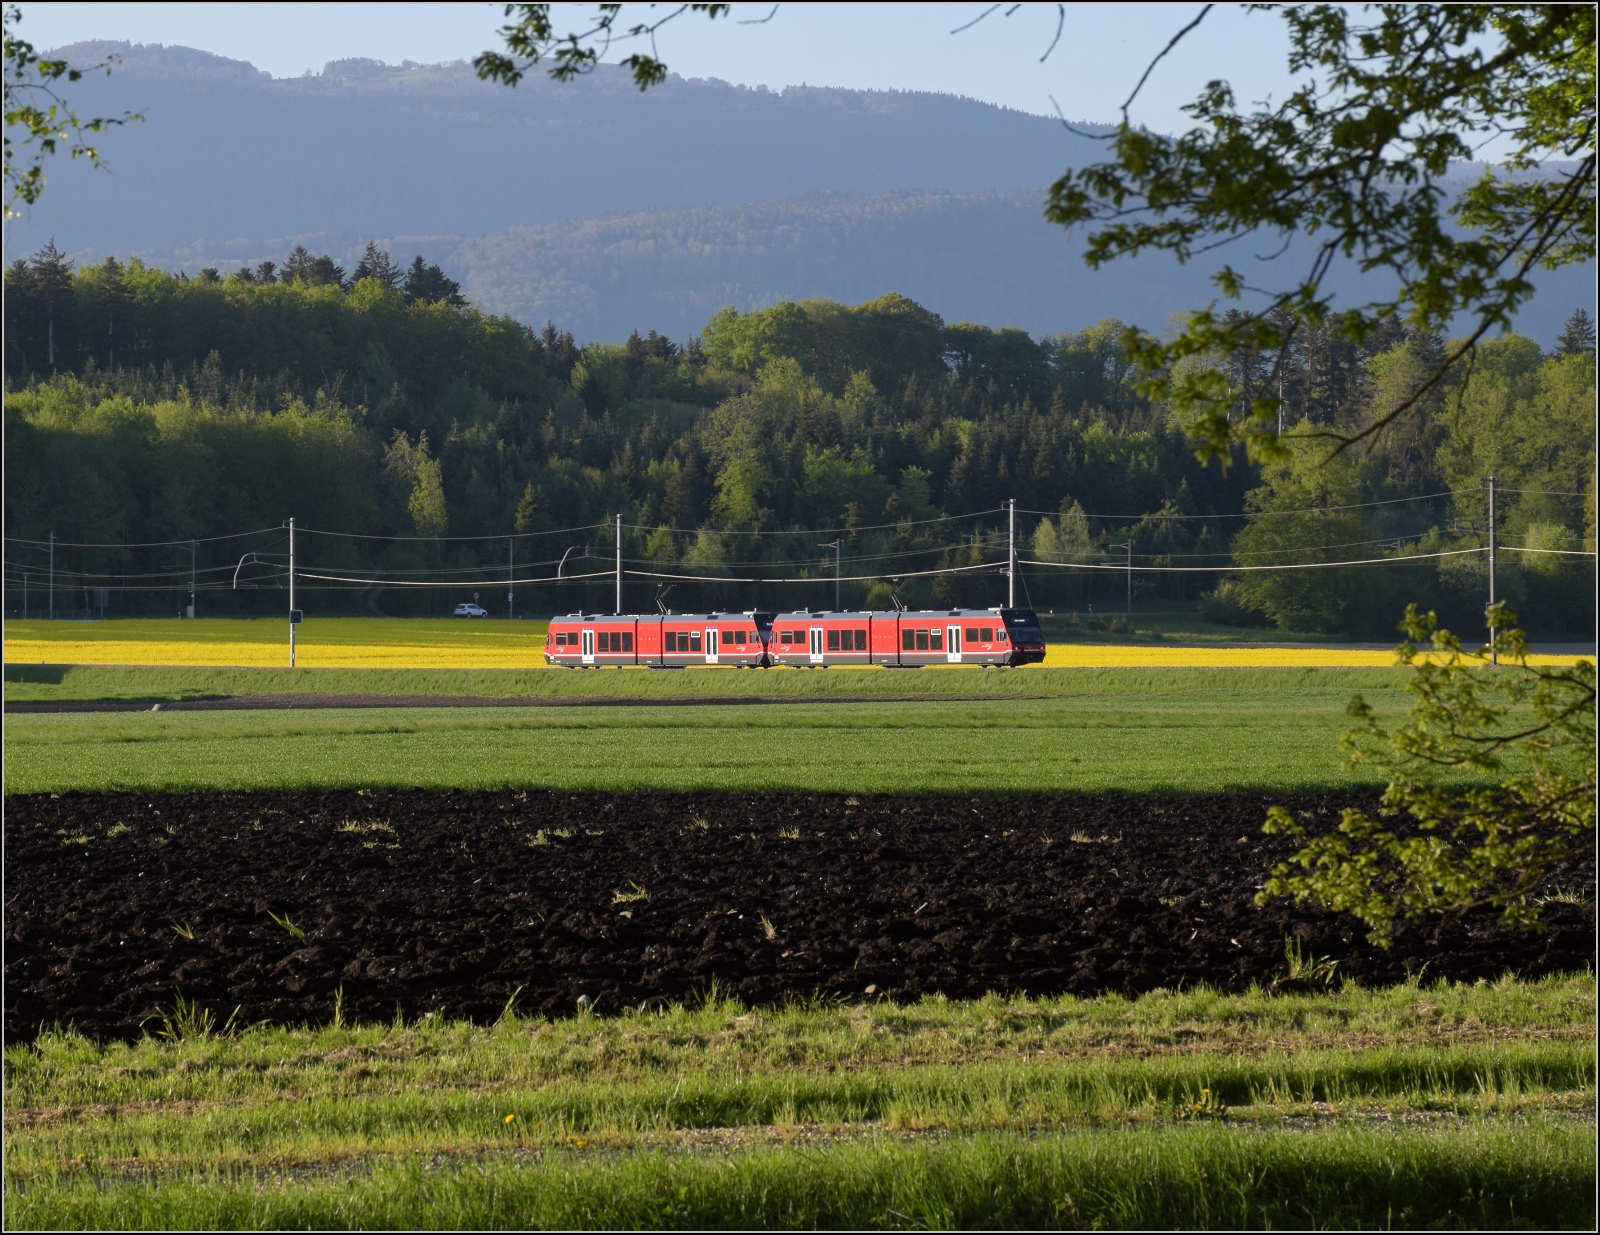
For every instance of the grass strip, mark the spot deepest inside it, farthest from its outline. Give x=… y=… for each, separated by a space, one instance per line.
x=64 y=1070
x=293 y=1099
x=155 y=684
x=1152 y=743
x=1539 y=1174
x=364 y=1120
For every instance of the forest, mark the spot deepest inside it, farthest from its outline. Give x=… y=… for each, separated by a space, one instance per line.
x=163 y=428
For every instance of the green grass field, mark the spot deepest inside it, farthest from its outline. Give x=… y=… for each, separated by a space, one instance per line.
x=68 y=683
x=1189 y=731
x=1413 y=1106
x=1452 y=1106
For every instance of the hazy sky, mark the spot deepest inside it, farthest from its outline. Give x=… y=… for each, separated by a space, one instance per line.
x=1103 y=47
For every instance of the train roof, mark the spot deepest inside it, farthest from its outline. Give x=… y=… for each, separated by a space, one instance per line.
x=749 y=615
x=807 y=615
x=804 y=615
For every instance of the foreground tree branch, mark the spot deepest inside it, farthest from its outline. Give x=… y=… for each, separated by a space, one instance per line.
x=1530 y=727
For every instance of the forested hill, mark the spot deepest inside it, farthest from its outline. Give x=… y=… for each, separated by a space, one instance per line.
x=225 y=151
x=143 y=407
x=608 y=211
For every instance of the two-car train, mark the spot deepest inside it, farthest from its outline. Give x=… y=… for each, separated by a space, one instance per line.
x=898 y=639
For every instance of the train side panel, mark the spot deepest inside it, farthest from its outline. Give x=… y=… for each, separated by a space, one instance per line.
x=818 y=640
x=648 y=640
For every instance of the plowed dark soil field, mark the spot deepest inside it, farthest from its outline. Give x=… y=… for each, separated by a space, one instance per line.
x=449 y=902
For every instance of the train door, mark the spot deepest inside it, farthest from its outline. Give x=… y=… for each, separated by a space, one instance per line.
x=816 y=645
x=952 y=644
x=711 y=645
x=588 y=645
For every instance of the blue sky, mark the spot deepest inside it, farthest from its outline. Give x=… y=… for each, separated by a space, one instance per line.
x=1102 y=51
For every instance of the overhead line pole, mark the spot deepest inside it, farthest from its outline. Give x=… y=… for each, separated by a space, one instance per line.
x=619 y=564
x=1494 y=652
x=1011 y=558
x=52 y=576
x=1128 y=545
x=838 y=548
x=511 y=575
x=191 y=577
x=292 y=613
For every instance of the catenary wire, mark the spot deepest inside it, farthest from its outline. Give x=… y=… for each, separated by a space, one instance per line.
x=1172 y=570
x=144 y=544
x=559 y=531
x=1256 y=514
x=819 y=531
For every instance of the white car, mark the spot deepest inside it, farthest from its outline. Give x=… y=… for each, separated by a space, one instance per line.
x=470 y=611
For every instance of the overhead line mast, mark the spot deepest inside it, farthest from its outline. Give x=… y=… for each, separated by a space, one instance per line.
x=1011 y=558
x=294 y=614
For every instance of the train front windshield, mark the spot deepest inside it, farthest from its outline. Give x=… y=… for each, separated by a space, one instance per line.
x=1024 y=628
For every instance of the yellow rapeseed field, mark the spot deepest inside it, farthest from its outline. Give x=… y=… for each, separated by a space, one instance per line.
x=424 y=643
x=263 y=643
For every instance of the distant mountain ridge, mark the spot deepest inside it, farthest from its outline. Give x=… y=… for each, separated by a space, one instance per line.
x=607 y=211
x=226 y=151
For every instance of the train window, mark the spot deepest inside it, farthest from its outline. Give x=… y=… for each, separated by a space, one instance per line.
x=561 y=638
x=986 y=635
x=738 y=638
x=936 y=640
x=694 y=641
x=672 y=641
x=974 y=637
x=922 y=641
x=1000 y=634
x=785 y=637
x=861 y=641
x=833 y=641
x=627 y=641
x=908 y=640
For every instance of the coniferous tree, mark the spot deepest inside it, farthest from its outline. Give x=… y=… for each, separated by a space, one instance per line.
x=52 y=287
x=375 y=264
x=1577 y=335
x=427 y=284
x=104 y=298
x=1328 y=375
x=20 y=304
x=267 y=272
x=302 y=267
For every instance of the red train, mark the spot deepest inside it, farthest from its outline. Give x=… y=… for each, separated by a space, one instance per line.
x=896 y=640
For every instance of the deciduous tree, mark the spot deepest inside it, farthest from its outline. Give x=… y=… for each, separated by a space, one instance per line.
x=1438 y=848
x=35 y=110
